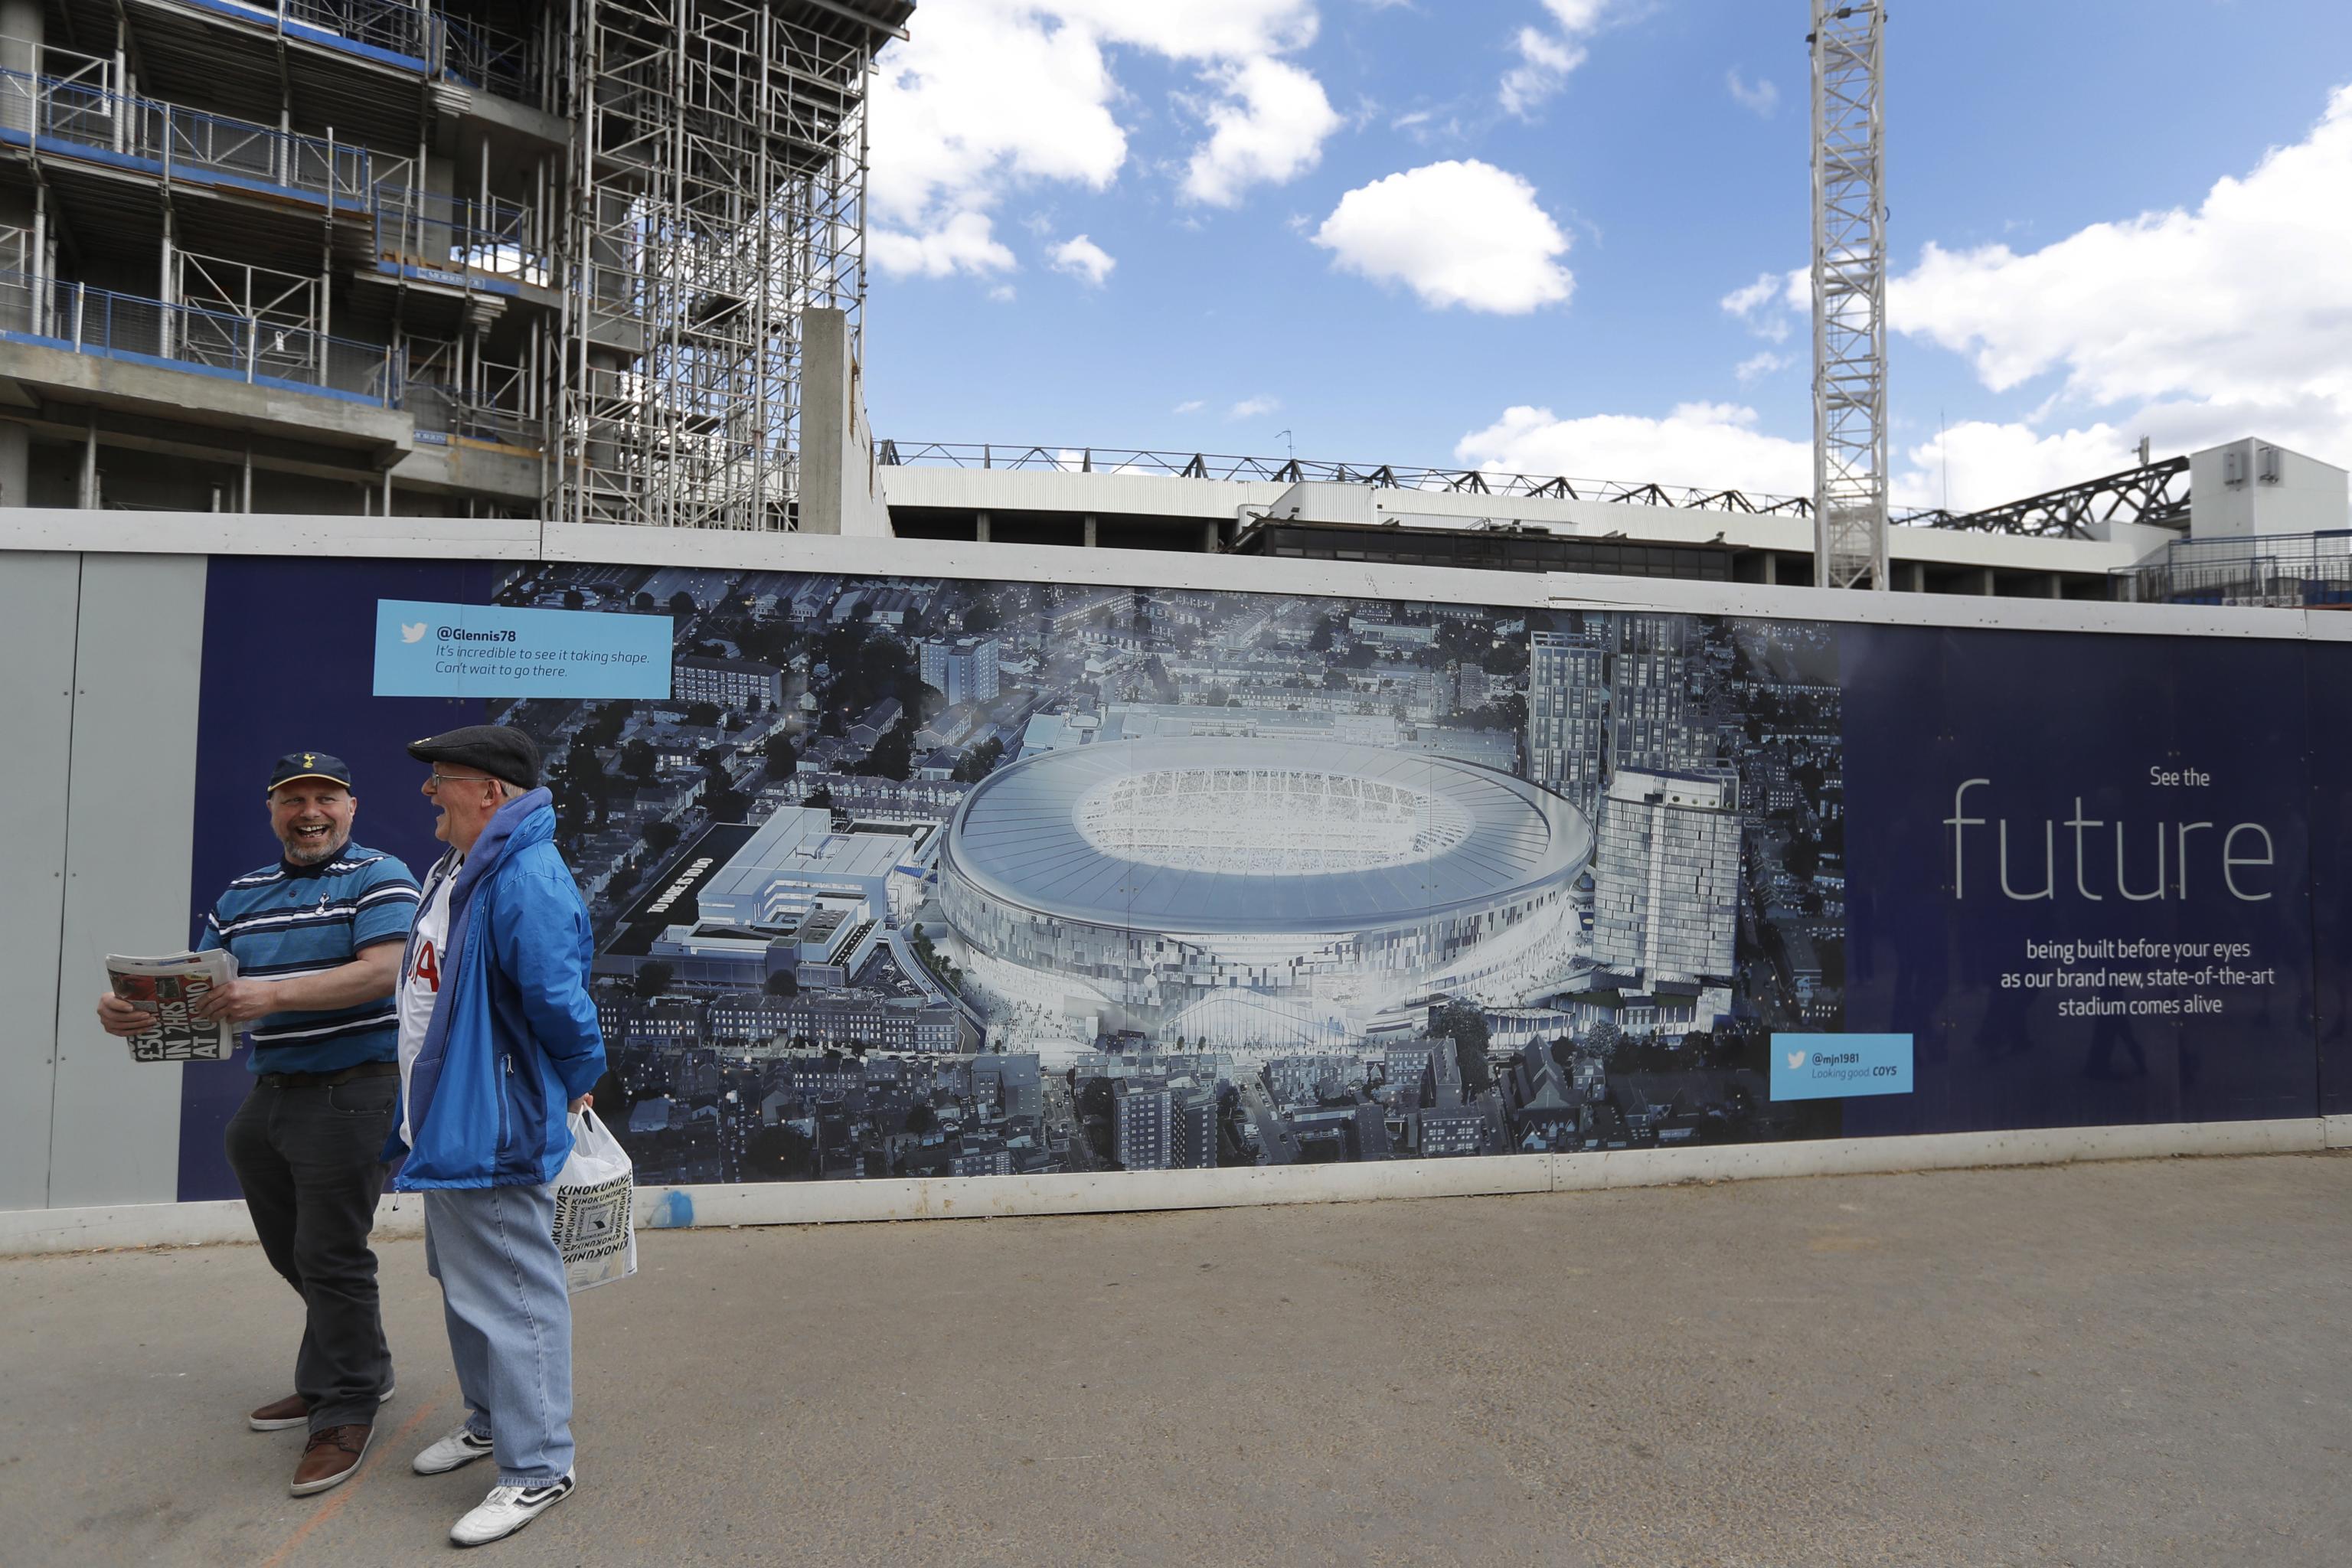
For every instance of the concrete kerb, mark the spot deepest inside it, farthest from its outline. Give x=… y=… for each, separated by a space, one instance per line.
x=29 y=1231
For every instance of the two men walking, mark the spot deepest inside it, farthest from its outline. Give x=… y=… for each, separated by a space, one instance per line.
x=452 y=1024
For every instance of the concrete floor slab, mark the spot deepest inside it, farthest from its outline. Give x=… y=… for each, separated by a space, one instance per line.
x=2126 y=1363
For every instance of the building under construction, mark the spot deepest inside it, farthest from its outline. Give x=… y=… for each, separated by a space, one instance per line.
x=578 y=261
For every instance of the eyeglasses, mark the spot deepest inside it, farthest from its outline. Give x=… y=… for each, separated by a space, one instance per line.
x=440 y=778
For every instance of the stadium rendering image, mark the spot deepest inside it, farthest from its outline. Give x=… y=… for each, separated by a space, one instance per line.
x=1250 y=890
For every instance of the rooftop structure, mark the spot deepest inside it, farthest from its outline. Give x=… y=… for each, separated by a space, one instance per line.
x=2268 y=527
x=2059 y=546
x=796 y=860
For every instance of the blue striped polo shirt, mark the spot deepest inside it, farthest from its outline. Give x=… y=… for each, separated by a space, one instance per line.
x=284 y=921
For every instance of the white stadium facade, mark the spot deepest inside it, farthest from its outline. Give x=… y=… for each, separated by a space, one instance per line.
x=1251 y=891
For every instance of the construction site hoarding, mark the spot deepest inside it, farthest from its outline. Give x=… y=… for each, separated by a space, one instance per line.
x=977 y=867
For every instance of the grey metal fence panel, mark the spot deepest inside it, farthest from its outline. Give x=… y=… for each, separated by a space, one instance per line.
x=38 y=595
x=138 y=666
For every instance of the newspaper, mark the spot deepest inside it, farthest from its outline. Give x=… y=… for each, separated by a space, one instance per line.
x=170 y=988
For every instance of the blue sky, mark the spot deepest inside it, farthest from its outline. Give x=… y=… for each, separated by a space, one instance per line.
x=1554 y=234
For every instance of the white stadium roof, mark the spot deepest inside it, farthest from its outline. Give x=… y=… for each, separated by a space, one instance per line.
x=1251 y=835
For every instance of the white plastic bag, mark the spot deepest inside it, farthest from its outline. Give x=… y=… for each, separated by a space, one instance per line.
x=594 y=1203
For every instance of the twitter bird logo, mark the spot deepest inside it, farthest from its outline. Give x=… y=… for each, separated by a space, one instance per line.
x=1796 y=1060
x=412 y=633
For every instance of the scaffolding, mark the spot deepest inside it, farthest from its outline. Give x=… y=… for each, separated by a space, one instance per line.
x=716 y=191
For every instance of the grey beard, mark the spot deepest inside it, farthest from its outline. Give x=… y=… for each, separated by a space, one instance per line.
x=306 y=856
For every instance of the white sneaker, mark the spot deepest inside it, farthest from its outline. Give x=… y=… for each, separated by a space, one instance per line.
x=507 y=1510
x=459 y=1447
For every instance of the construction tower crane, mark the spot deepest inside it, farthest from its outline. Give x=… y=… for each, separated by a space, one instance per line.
x=1849 y=296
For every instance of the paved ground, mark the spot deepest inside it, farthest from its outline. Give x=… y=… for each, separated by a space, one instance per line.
x=2135 y=1364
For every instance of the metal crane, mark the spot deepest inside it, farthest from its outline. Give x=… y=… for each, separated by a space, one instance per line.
x=1849 y=296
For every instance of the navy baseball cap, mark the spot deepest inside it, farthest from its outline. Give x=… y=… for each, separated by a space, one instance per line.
x=309 y=765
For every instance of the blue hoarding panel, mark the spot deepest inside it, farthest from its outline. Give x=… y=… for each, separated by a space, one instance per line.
x=2080 y=876
x=1647 y=879
x=2330 y=677
x=286 y=664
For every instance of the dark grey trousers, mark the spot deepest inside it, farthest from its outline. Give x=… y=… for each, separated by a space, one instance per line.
x=310 y=1161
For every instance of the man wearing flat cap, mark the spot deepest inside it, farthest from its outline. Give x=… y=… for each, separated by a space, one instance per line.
x=317 y=937
x=498 y=1039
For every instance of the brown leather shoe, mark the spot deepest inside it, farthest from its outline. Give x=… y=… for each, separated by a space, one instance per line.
x=331 y=1457
x=291 y=1411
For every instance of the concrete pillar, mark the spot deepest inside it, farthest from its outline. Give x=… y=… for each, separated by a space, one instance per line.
x=21 y=21
x=1210 y=540
x=1089 y=539
x=21 y=25
x=16 y=465
x=980 y=526
x=840 y=487
x=1984 y=584
x=2056 y=588
x=825 y=418
x=1772 y=568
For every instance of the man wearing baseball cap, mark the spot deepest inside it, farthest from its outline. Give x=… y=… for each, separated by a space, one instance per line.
x=317 y=937
x=497 y=1038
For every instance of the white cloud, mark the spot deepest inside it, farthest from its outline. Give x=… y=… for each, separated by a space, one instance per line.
x=948 y=137
x=1716 y=446
x=1251 y=408
x=1198 y=30
x=1746 y=301
x=1544 y=64
x=1762 y=98
x=1456 y=233
x=2196 y=326
x=1189 y=406
x=963 y=243
x=1429 y=126
x=2188 y=326
x=1713 y=445
x=1977 y=464
x=1764 y=363
x=1759 y=303
x=1545 y=58
x=989 y=95
x=1269 y=129
x=1083 y=260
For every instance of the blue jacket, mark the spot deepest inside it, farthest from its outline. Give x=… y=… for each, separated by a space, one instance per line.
x=514 y=1037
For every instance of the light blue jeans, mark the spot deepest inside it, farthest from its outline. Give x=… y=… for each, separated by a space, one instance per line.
x=493 y=1250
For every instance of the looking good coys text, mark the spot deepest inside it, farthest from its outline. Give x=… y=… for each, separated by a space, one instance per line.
x=2088 y=857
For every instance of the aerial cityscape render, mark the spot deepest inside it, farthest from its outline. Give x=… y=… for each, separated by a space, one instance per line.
x=949 y=878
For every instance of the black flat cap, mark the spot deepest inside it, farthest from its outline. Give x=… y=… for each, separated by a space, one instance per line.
x=309 y=765
x=492 y=749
